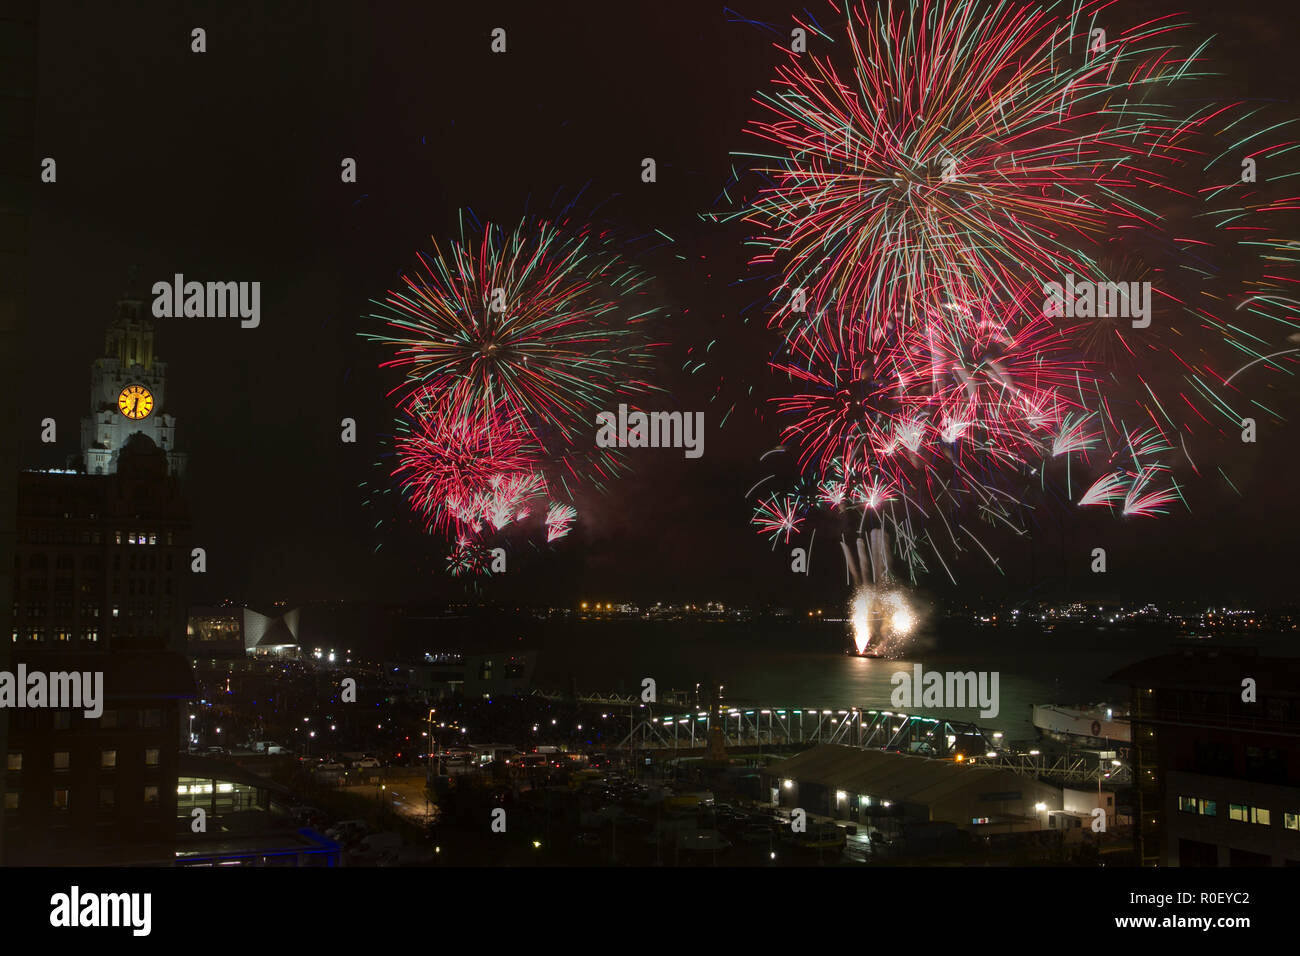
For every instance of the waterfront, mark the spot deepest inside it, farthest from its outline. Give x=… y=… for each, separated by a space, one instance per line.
x=800 y=667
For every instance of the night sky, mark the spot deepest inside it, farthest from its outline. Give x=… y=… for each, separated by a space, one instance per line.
x=225 y=166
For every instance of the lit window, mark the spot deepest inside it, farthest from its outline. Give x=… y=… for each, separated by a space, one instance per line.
x=1291 y=820
x=1244 y=813
x=11 y=800
x=150 y=794
x=15 y=762
x=108 y=759
x=1209 y=808
x=61 y=799
x=1187 y=804
x=61 y=760
x=151 y=757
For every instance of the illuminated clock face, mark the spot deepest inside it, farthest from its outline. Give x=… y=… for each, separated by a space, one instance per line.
x=135 y=402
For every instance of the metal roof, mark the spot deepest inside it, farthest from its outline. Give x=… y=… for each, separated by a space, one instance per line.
x=902 y=778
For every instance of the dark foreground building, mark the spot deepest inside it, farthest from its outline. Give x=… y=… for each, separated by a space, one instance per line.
x=100 y=588
x=1217 y=776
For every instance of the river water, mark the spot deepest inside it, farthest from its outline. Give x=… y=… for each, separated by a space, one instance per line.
x=803 y=667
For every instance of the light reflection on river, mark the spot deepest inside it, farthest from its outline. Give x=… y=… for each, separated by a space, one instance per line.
x=801 y=668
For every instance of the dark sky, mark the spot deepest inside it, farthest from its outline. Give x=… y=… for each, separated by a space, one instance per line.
x=225 y=166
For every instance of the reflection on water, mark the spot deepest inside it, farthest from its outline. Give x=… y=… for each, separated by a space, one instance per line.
x=803 y=668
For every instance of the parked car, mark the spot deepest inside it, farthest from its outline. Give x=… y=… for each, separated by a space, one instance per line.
x=368 y=763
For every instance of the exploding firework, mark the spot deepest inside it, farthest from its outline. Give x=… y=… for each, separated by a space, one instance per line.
x=542 y=325
x=928 y=189
x=881 y=621
x=510 y=341
x=958 y=151
x=778 y=517
x=469 y=558
x=559 y=521
x=451 y=470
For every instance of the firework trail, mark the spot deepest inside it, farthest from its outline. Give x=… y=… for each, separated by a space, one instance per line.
x=468 y=558
x=449 y=468
x=510 y=340
x=542 y=324
x=559 y=521
x=930 y=178
x=778 y=516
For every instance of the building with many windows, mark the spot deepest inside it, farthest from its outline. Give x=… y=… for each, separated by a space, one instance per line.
x=215 y=633
x=246 y=820
x=1216 y=758
x=100 y=579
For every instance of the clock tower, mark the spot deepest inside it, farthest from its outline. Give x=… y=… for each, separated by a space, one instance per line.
x=128 y=394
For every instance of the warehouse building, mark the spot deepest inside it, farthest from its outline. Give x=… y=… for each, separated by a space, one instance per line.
x=891 y=791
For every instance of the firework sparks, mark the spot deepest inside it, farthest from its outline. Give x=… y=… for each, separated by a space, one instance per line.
x=559 y=521
x=925 y=179
x=778 y=516
x=510 y=341
x=542 y=324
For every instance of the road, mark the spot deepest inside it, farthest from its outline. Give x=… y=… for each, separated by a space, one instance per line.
x=401 y=789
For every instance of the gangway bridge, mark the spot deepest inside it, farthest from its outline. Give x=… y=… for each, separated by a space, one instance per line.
x=924 y=735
